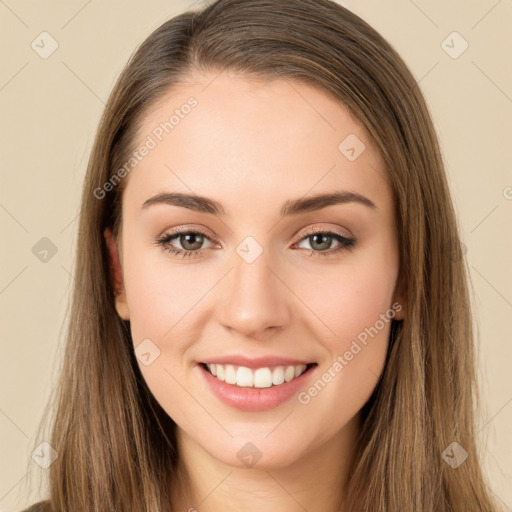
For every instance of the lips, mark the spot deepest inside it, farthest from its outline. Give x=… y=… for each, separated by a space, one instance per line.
x=252 y=399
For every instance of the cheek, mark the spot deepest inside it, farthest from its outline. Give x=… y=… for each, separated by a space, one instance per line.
x=359 y=316
x=161 y=298
x=354 y=303
x=350 y=298
x=159 y=291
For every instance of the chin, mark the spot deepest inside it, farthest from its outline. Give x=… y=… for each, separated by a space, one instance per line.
x=262 y=455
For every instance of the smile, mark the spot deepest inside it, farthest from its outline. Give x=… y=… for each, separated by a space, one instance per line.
x=264 y=377
x=256 y=389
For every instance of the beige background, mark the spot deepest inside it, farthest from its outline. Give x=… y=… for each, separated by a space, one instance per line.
x=49 y=113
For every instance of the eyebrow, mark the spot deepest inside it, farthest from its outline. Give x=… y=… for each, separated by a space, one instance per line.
x=291 y=207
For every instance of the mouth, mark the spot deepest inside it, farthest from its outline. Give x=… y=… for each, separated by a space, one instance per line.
x=258 y=378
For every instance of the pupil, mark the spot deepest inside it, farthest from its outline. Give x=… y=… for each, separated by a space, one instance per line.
x=192 y=236
x=323 y=242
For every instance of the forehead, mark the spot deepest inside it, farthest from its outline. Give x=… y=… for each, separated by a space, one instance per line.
x=234 y=137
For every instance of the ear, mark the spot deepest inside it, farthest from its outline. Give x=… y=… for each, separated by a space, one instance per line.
x=116 y=277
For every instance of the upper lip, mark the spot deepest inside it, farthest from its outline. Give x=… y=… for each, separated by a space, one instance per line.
x=255 y=362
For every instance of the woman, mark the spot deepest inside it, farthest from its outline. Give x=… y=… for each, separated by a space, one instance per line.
x=217 y=356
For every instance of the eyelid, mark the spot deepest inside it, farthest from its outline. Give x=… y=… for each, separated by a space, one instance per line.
x=323 y=229
x=187 y=229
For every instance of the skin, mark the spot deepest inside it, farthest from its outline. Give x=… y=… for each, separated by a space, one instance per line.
x=253 y=146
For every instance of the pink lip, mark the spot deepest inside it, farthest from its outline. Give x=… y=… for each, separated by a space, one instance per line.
x=256 y=362
x=255 y=399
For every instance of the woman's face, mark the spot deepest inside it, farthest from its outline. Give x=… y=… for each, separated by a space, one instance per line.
x=256 y=283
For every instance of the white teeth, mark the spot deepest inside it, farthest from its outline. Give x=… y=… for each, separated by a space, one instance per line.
x=230 y=374
x=244 y=377
x=220 y=372
x=259 y=378
x=262 y=378
x=289 y=373
x=278 y=376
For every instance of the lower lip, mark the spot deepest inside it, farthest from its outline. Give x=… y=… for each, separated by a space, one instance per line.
x=255 y=399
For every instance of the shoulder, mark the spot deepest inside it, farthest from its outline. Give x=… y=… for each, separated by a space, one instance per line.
x=40 y=506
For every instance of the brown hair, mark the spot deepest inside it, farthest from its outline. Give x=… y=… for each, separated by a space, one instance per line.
x=116 y=446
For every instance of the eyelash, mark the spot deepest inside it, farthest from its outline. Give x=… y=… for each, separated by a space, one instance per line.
x=346 y=244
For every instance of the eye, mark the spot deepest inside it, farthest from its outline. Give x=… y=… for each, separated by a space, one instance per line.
x=192 y=241
x=322 y=240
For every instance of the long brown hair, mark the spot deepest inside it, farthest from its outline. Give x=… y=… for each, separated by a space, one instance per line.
x=116 y=446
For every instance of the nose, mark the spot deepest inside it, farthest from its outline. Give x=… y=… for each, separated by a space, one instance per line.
x=255 y=300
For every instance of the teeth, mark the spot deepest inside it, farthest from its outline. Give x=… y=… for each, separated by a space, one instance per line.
x=278 y=375
x=289 y=373
x=244 y=377
x=262 y=378
x=259 y=378
x=230 y=374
